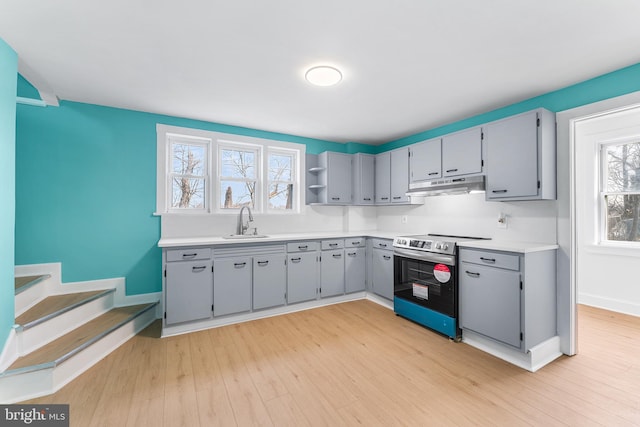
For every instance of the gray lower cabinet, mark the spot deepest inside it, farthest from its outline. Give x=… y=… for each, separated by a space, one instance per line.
x=508 y=297
x=188 y=291
x=332 y=273
x=269 y=281
x=382 y=268
x=232 y=285
x=355 y=274
x=302 y=276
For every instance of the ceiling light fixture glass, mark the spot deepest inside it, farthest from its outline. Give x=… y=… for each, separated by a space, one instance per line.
x=323 y=75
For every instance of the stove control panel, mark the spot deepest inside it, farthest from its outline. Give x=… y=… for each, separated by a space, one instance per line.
x=424 y=244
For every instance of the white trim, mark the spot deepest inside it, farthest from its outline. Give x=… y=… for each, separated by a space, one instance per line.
x=10 y=352
x=532 y=360
x=611 y=304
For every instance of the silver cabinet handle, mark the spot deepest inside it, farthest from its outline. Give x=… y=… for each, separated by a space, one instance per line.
x=335 y=198
x=498 y=191
x=382 y=245
x=433 y=173
x=355 y=243
x=452 y=170
x=397 y=197
x=387 y=257
x=491 y=260
x=352 y=254
x=384 y=198
x=472 y=274
x=337 y=255
x=368 y=199
x=239 y=264
x=333 y=244
x=189 y=255
x=303 y=247
x=263 y=263
x=198 y=268
x=296 y=259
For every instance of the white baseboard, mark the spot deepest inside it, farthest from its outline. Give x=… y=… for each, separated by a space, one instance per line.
x=10 y=352
x=538 y=356
x=611 y=304
x=380 y=300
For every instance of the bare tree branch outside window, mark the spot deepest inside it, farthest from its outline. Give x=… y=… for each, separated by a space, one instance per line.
x=188 y=180
x=622 y=191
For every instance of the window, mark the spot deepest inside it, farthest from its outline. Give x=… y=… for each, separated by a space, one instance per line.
x=620 y=191
x=282 y=181
x=188 y=174
x=210 y=172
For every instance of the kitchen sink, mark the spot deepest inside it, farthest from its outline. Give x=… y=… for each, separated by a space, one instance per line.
x=245 y=236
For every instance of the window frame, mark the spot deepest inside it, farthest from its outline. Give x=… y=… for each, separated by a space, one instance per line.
x=295 y=180
x=603 y=192
x=238 y=146
x=215 y=140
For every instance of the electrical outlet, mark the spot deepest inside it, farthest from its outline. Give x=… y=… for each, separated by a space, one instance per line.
x=502 y=220
x=404 y=219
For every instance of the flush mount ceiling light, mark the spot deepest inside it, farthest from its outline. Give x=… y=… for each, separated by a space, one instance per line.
x=323 y=75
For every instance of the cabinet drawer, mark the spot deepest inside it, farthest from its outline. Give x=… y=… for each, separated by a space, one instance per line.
x=382 y=244
x=188 y=254
x=354 y=242
x=492 y=259
x=332 y=244
x=302 y=246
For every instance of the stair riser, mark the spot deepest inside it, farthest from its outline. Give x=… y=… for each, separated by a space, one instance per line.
x=37 y=336
x=29 y=385
x=30 y=297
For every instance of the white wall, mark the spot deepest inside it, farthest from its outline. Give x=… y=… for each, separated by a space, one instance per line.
x=471 y=215
x=607 y=273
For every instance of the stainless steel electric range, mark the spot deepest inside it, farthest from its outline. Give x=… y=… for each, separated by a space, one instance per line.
x=426 y=280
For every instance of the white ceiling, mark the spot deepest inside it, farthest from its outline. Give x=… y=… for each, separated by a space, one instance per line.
x=408 y=65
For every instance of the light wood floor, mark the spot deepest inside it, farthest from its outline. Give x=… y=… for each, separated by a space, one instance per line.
x=355 y=364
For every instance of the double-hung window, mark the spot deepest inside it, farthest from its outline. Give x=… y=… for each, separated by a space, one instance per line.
x=188 y=173
x=620 y=191
x=210 y=172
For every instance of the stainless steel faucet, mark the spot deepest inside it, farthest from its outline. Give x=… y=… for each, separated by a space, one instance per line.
x=242 y=227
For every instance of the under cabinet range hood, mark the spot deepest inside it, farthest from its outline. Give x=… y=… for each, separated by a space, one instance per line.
x=437 y=187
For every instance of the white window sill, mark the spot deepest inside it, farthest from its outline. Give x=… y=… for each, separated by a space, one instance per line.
x=621 y=249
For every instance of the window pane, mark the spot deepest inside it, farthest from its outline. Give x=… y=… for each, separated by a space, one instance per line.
x=280 y=167
x=238 y=164
x=281 y=196
x=623 y=167
x=188 y=159
x=622 y=217
x=187 y=193
x=235 y=194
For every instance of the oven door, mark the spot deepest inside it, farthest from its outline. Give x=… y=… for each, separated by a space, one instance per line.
x=426 y=279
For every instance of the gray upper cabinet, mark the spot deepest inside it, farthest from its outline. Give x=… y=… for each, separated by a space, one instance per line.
x=425 y=160
x=400 y=175
x=462 y=153
x=269 y=281
x=188 y=289
x=335 y=176
x=363 y=179
x=232 y=290
x=521 y=157
x=383 y=178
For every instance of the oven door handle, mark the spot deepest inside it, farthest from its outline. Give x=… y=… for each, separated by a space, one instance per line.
x=426 y=256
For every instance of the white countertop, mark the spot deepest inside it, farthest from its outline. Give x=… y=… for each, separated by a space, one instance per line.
x=501 y=245
x=218 y=240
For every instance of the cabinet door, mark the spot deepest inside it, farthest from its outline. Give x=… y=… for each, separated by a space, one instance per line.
x=232 y=285
x=302 y=276
x=512 y=157
x=383 y=178
x=363 y=179
x=399 y=175
x=332 y=273
x=425 y=160
x=490 y=302
x=383 y=273
x=355 y=269
x=269 y=281
x=189 y=291
x=339 y=178
x=462 y=153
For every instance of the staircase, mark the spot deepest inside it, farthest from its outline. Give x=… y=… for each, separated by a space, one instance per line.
x=59 y=336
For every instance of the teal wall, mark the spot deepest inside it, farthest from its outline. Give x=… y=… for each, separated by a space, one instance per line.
x=620 y=82
x=26 y=89
x=8 y=70
x=86 y=178
x=86 y=189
